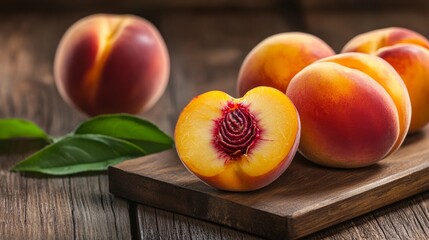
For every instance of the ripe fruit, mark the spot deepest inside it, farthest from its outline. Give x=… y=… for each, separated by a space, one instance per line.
x=354 y=110
x=238 y=144
x=111 y=63
x=407 y=51
x=275 y=60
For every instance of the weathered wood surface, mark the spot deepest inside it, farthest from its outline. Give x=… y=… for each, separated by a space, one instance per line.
x=78 y=207
x=305 y=199
x=206 y=50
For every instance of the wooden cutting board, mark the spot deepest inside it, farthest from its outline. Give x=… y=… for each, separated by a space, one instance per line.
x=305 y=199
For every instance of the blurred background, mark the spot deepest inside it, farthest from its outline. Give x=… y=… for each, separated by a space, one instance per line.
x=207 y=40
x=334 y=21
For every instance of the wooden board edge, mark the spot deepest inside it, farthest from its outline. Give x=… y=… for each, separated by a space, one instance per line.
x=359 y=204
x=205 y=206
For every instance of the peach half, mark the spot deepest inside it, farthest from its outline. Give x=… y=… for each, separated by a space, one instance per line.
x=354 y=110
x=275 y=60
x=408 y=52
x=111 y=63
x=238 y=144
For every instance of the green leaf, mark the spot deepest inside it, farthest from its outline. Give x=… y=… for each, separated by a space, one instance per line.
x=20 y=128
x=130 y=128
x=79 y=153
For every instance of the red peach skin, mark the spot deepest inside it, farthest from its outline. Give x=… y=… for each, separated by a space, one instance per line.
x=275 y=60
x=112 y=63
x=407 y=51
x=354 y=110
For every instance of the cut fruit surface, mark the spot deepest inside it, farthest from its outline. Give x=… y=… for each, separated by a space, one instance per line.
x=238 y=144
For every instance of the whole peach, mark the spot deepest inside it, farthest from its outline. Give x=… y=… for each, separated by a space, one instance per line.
x=275 y=60
x=407 y=51
x=354 y=110
x=111 y=63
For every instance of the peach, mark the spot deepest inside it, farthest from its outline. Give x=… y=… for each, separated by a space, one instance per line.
x=238 y=144
x=111 y=63
x=407 y=51
x=371 y=41
x=354 y=109
x=275 y=60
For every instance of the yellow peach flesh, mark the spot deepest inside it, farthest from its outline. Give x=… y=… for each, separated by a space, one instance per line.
x=199 y=116
x=263 y=163
x=275 y=140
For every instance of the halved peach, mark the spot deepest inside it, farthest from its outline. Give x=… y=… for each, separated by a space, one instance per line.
x=238 y=144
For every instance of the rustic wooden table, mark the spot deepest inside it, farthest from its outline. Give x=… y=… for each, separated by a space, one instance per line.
x=206 y=48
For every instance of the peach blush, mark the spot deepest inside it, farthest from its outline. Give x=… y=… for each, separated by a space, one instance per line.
x=412 y=64
x=354 y=110
x=111 y=63
x=370 y=42
x=407 y=51
x=275 y=60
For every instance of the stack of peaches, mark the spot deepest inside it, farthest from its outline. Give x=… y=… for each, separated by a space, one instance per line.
x=344 y=110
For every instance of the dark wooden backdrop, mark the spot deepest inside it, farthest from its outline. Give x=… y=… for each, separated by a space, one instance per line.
x=207 y=41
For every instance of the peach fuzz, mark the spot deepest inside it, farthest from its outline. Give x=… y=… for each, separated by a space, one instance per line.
x=412 y=64
x=111 y=63
x=371 y=41
x=275 y=60
x=238 y=144
x=407 y=51
x=354 y=108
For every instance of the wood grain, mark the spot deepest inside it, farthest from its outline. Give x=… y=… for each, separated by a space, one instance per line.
x=168 y=225
x=196 y=61
x=305 y=199
x=395 y=221
x=406 y=219
x=207 y=48
x=32 y=207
